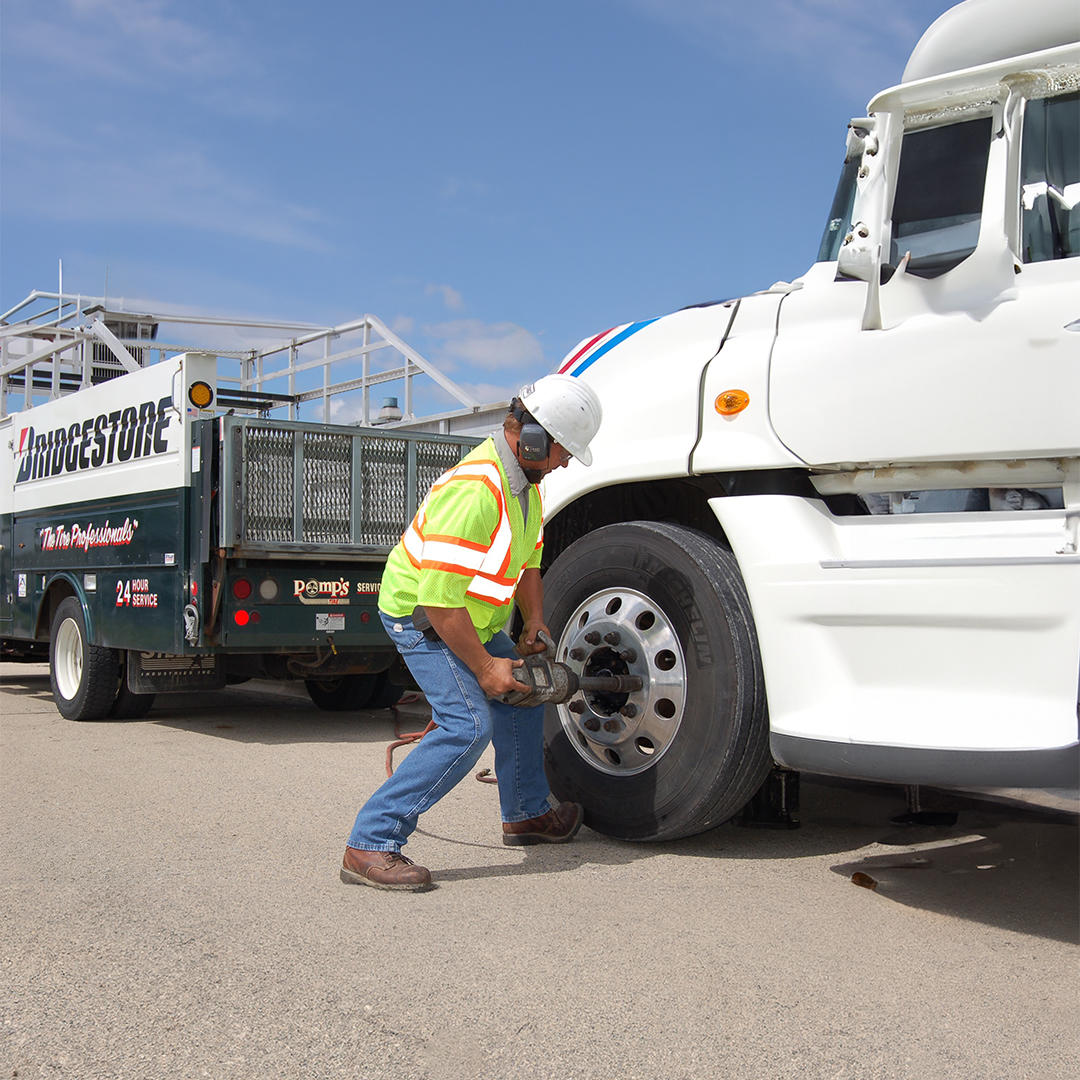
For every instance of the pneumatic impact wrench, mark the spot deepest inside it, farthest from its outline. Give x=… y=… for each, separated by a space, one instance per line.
x=544 y=681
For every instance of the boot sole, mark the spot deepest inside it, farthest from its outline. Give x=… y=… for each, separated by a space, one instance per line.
x=350 y=877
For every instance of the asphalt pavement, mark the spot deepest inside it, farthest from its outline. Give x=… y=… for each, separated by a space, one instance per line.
x=172 y=908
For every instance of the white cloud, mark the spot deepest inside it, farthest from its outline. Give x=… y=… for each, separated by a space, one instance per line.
x=501 y=346
x=486 y=392
x=177 y=185
x=861 y=44
x=148 y=44
x=456 y=187
x=403 y=325
x=451 y=298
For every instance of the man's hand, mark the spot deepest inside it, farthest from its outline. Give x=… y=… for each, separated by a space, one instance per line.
x=529 y=642
x=497 y=676
x=493 y=673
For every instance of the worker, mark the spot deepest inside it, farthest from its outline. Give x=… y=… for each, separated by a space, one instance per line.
x=448 y=589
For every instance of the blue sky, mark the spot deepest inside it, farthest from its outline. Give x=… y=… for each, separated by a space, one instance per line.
x=495 y=180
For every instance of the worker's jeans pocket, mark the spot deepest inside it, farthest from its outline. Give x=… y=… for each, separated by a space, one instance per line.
x=402 y=632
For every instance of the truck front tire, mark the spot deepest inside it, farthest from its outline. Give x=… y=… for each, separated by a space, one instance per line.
x=84 y=677
x=690 y=749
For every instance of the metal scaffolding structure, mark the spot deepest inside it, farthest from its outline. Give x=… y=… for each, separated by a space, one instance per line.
x=53 y=343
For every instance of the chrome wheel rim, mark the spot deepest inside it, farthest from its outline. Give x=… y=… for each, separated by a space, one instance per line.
x=623 y=632
x=68 y=659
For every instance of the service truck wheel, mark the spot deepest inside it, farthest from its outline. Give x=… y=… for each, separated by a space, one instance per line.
x=689 y=750
x=346 y=693
x=83 y=676
x=128 y=705
x=386 y=693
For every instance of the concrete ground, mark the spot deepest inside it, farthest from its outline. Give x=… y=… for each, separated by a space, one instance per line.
x=172 y=908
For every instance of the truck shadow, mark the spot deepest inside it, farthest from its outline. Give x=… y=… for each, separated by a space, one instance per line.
x=999 y=865
x=274 y=717
x=32 y=683
x=1002 y=866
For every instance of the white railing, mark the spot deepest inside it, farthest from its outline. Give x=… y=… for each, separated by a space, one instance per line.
x=55 y=343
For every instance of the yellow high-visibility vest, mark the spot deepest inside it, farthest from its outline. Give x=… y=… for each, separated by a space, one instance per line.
x=467 y=546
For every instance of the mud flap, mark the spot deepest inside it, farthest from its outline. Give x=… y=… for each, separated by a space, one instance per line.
x=162 y=673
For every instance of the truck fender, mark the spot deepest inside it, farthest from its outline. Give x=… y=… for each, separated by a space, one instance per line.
x=62 y=585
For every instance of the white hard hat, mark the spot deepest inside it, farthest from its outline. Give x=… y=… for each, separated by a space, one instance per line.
x=567 y=409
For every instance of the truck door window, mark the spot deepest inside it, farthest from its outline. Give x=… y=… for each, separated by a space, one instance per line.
x=1050 y=179
x=939 y=196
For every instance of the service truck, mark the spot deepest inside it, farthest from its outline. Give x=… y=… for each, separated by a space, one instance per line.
x=161 y=532
x=834 y=524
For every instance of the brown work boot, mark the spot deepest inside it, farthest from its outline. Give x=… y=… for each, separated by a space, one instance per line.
x=384 y=870
x=555 y=827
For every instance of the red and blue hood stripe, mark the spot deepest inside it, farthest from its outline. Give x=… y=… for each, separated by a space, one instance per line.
x=595 y=347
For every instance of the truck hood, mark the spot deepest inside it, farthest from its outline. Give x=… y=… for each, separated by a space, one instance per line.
x=648 y=377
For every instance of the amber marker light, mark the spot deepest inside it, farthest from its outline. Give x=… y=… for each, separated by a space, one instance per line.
x=200 y=394
x=731 y=402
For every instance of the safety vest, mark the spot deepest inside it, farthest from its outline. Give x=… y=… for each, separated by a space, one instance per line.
x=467 y=546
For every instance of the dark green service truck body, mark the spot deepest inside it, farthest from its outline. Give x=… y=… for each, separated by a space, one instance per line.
x=199 y=547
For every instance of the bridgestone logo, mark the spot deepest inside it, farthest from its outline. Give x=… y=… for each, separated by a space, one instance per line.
x=133 y=432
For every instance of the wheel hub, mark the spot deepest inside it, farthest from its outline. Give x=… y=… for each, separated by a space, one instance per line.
x=623 y=632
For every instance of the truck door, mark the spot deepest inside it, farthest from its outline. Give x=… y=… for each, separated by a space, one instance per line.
x=950 y=618
x=979 y=355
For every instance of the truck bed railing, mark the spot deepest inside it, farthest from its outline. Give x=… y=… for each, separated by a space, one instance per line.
x=53 y=344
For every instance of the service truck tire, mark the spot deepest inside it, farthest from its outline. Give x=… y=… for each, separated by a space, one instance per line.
x=690 y=749
x=346 y=693
x=83 y=676
x=386 y=693
x=128 y=705
x=351 y=692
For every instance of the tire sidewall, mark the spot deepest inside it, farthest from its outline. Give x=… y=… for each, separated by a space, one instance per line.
x=648 y=558
x=92 y=697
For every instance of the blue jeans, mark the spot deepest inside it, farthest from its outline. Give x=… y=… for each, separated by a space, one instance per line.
x=467 y=721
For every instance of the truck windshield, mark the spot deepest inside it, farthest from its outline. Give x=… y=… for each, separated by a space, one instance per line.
x=1050 y=179
x=840 y=215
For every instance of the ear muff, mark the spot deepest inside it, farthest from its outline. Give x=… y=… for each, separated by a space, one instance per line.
x=534 y=443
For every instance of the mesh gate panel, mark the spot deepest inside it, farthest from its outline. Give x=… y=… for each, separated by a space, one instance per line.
x=432 y=460
x=394 y=474
x=268 y=485
x=383 y=486
x=327 y=488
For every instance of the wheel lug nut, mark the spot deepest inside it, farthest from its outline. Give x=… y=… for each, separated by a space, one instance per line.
x=577 y=654
x=628 y=656
x=613 y=638
x=629 y=710
x=577 y=706
x=593 y=637
x=592 y=724
x=612 y=725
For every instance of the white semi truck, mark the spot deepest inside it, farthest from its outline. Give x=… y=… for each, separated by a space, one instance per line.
x=835 y=524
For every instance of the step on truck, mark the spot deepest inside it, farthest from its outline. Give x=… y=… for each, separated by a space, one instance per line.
x=161 y=532
x=834 y=524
